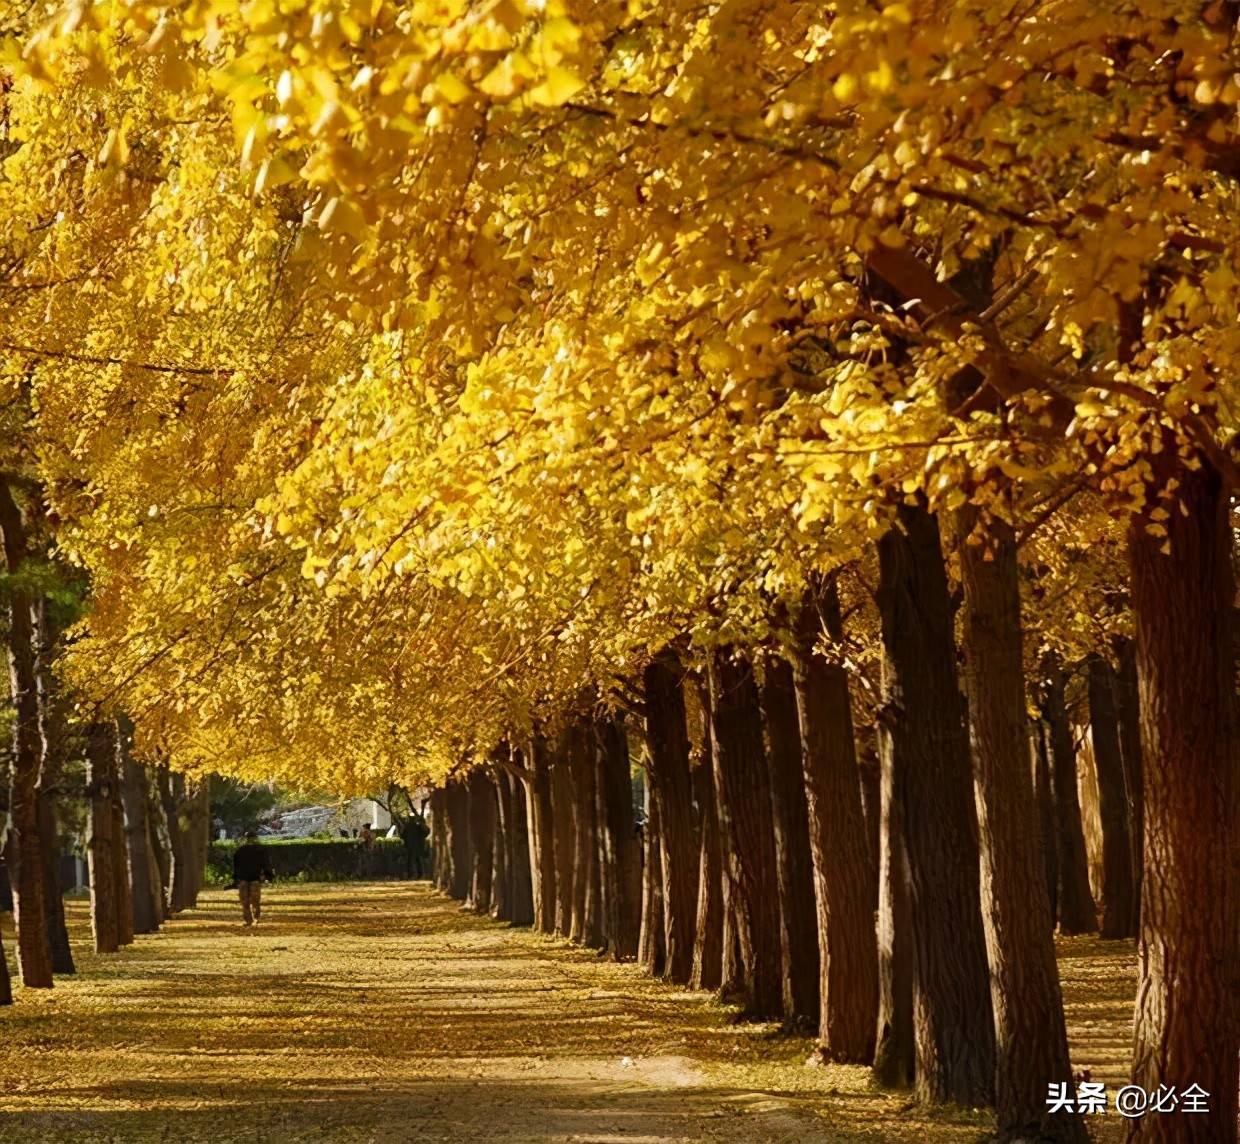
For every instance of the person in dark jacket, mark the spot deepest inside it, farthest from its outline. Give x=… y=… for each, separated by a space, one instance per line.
x=251 y=867
x=414 y=837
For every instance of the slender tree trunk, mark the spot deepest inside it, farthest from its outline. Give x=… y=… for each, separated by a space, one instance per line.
x=440 y=854
x=458 y=839
x=619 y=870
x=161 y=843
x=6 y=986
x=924 y=711
x=171 y=794
x=708 y=932
x=744 y=793
x=651 y=949
x=584 y=926
x=563 y=835
x=871 y=806
x=120 y=866
x=100 y=782
x=541 y=835
x=1118 y=920
x=1075 y=900
x=34 y=955
x=731 y=967
x=520 y=890
x=1044 y=798
x=481 y=840
x=1186 y=1025
x=501 y=874
x=794 y=867
x=667 y=737
x=1128 y=714
x=1031 y=1041
x=895 y=1051
x=844 y=869
x=137 y=834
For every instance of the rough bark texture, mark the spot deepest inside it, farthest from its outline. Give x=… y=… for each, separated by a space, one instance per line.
x=1074 y=900
x=667 y=737
x=1186 y=1024
x=161 y=845
x=23 y=849
x=541 y=839
x=651 y=951
x=146 y=917
x=619 y=867
x=481 y=840
x=1031 y=1041
x=933 y=785
x=844 y=870
x=744 y=801
x=708 y=930
x=100 y=782
x=794 y=867
x=894 y=1051
x=1116 y=905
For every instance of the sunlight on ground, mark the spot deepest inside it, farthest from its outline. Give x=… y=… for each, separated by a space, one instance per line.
x=382 y=1011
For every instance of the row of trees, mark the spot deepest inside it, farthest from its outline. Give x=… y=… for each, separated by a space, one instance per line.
x=402 y=377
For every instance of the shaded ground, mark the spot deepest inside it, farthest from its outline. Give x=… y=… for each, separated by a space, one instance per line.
x=381 y=1011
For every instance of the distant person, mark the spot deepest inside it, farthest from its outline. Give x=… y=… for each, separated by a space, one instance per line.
x=414 y=838
x=367 y=840
x=251 y=867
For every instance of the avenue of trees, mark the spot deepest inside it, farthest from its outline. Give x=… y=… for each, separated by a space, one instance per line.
x=830 y=406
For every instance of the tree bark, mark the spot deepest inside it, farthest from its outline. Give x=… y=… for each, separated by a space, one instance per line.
x=171 y=794
x=1128 y=714
x=541 y=835
x=501 y=876
x=520 y=891
x=100 y=783
x=481 y=795
x=925 y=716
x=123 y=891
x=161 y=841
x=845 y=893
x=651 y=950
x=1118 y=920
x=34 y=955
x=748 y=834
x=1031 y=1041
x=619 y=878
x=1186 y=1024
x=708 y=931
x=563 y=835
x=794 y=867
x=137 y=834
x=1044 y=797
x=441 y=854
x=1076 y=911
x=667 y=737
x=895 y=1051
x=585 y=927
x=458 y=838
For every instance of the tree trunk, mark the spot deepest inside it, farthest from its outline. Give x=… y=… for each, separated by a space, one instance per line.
x=894 y=1051
x=458 y=839
x=120 y=866
x=161 y=842
x=34 y=955
x=137 y=834
x=441 y=855
x=501 y=874
x=871 y=806
x=1118 y=920
x=794 y=867
x=1186 y=1025
x=1075 y=900
x=171 y=793
x=844 y=870
x=584 y=925
x=651 y=950
x=619 y=880
x=748 y=834
x=667 y=737
x=1031 y=1041
x=933 y=785
x=520 y=892
x=481 y=795
x=541 y=835
x=1128 y=714
x=6 y=986
x=1044 y=798
x=100 y=782
x=708 y=932
x=563 y=834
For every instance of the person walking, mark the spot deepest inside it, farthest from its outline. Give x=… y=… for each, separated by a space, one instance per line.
x=251 y=867
x=414 y=837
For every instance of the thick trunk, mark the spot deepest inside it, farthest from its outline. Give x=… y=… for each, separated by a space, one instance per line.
x=6 y=986
x=520 y=899
x=53 y=899
x=619 y=870
x=137 y=837
x=871 y=808
x=1031 y=1042
x=1116 y=906
x=100 y=783
x=584 y=926
x=746 y=828
x=894 y=1050
x=667 y=737
x=933 y=786
x=844 y=870
x=1186 y=1025
x=541 y=835
x=794 y=867
x=651 y=950
x=161 y=845
x=458 y=838
x=34 y=955
x=563 y=835
x=1128 y=714
x=481 y=840
x=1076 y=912
x=171 y=794
x=708 y=931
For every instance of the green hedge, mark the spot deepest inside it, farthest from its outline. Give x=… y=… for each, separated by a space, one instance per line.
x=316 y=860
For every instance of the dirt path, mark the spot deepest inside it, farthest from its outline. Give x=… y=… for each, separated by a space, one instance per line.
x=381 y=1012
